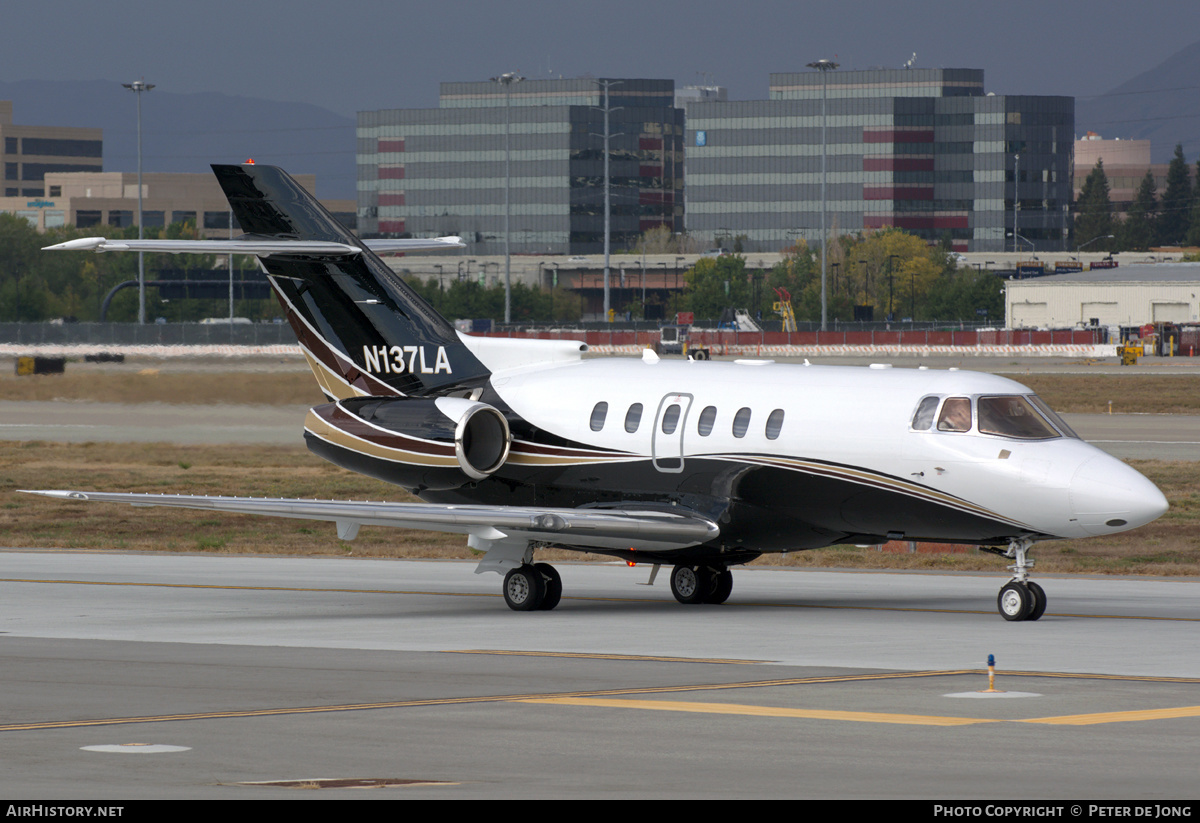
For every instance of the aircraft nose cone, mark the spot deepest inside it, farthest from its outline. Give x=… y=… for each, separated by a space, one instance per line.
x=1107 y=496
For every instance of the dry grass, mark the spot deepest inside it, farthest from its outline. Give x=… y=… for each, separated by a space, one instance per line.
x=151 y=386
x=1091 y=394
x=1170 y=546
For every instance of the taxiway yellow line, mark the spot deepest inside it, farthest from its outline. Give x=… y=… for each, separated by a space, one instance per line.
x=863 y=717
x=765 y=711
x=1115 y=717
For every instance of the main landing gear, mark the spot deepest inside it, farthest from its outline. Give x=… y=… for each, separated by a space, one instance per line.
x=701 y=584
x=1020 y=599
x=532 y=587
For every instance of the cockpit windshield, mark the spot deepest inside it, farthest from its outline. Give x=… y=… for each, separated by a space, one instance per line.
x=1024 y=417
x=1052 y=416
x=1013 y=416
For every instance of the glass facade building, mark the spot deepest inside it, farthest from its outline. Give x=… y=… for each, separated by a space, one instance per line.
x=435 y=172
x=924 y=150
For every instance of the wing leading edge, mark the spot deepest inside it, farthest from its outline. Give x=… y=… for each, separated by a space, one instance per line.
x=647 y=530
x=260 y=247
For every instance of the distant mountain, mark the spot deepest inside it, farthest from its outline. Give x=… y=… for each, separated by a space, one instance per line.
x=1161 y=105
x=187 y=132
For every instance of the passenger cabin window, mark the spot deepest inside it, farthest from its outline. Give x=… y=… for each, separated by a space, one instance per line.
x=633 y=418
x=741 y=422
x=956 y=415
x=774 y=424
x=598 y=414
x=1013 y=416
x=670 y=419
x=923 y=419
x=707 y=418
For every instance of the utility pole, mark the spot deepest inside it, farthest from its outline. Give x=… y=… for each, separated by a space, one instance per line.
x=506 y=80
x=823 y=66
x=137 y=87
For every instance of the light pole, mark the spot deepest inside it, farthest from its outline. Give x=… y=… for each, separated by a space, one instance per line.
x=607 y=84
x=506 y=80
x=1078 y=249
x=823 y=66
x=137 y=87
x=1016 y=198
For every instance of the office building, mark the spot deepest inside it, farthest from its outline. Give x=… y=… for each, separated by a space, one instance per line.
x=432 y=172
x=110 y=199
x=925 y=150
x=31 y=152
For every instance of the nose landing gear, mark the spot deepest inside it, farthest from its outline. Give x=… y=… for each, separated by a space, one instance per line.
x=1020 y=599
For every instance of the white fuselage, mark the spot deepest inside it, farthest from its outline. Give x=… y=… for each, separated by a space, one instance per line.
x=858 y=420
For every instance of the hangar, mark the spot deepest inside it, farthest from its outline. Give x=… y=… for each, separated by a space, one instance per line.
x=1127 y=296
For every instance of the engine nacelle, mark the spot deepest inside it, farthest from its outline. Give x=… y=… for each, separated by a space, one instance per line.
x=415 y=442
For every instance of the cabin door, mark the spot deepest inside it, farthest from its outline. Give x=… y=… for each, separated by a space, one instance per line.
x=670 y=423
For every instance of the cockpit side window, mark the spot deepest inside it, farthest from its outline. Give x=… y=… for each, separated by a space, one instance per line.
x=956 y=415
x=1013 y=416
x=926 y=409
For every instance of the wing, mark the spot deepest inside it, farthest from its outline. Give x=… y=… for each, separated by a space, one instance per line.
x=648 y=530
x=259 y=247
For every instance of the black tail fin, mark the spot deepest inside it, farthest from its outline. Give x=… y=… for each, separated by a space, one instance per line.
x=362 y=328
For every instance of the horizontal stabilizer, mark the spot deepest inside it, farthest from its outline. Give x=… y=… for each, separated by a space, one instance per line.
x=587 y=528
x=259 y=247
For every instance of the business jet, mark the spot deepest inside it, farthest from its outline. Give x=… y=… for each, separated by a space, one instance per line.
x=701 y=466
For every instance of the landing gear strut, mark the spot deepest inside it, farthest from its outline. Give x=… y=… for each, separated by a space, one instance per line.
x=1021 y=598
x=701 y=584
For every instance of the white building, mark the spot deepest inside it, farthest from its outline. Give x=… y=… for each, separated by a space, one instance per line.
x=1126 y=296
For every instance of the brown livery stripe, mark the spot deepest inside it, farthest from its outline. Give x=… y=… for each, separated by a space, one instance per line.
x=321 y=428
x=342 y=420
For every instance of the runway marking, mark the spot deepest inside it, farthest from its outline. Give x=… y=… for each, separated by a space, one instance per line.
x=598 y=656
x=865 y=717
x=662 y=602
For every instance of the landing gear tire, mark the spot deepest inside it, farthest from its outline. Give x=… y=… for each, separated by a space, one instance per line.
x=553 y=584
x=1015 y=602
x=722 y=587
x=691 y=584
x=1039 y=601
x=524 y=589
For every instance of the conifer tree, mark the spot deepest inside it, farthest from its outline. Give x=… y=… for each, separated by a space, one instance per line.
x=1138 y=231
x=1177 y=202
x=1093 y=210
x=1193 y=234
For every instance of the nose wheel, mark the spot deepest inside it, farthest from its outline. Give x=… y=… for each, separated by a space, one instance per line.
x=1020 y=599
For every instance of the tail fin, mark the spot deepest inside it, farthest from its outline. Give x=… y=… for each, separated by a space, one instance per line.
x=362 y=328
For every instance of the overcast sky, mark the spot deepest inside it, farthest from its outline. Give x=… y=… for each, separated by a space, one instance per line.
x=370 y=54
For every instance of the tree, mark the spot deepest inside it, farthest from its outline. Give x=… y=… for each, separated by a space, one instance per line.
x=1094 y=211
x=715 y=284
x=1137 y=232
x=1177 y=202
x=967 y=294
x=1193 y=233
